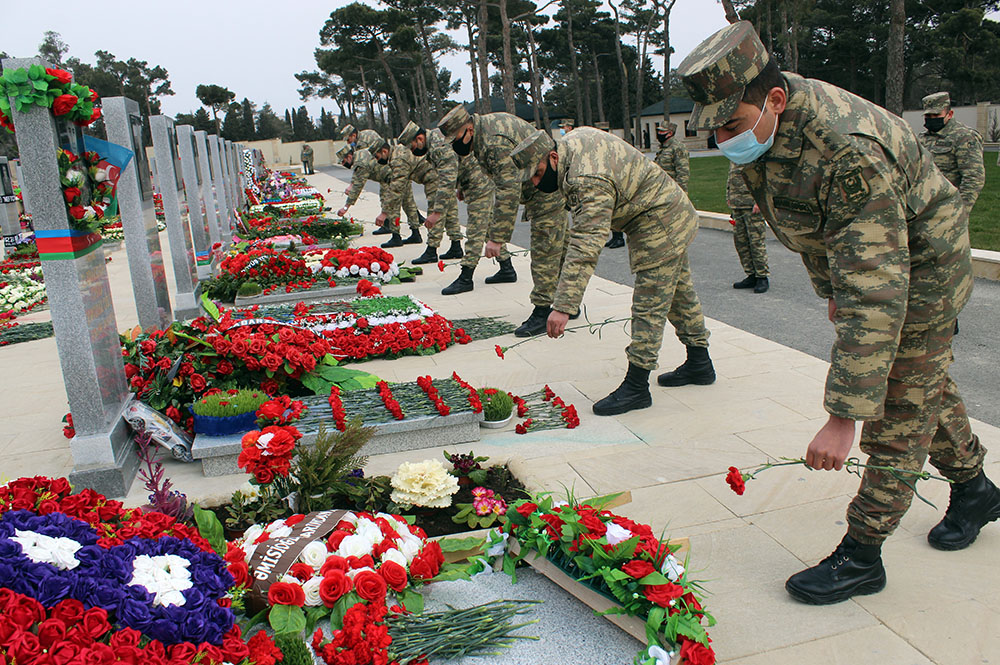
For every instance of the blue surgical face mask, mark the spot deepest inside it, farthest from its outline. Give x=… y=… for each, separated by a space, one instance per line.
x=744 y=148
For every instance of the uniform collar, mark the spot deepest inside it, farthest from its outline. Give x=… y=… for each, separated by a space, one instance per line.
x=799 y=111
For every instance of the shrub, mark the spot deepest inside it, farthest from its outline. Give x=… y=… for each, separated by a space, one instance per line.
x=497 y=404
x=229 y=403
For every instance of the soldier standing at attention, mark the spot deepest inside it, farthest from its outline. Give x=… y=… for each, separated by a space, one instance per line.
x=955 y=148
x=609 y=185
x=748 y=233
x=672 y=156
x=490 y=139
x=306 y=155
x=366 y=168
x=884 y=237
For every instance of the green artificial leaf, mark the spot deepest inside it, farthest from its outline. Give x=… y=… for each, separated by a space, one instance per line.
x=654 y=578
x=19 y=76
x=37 y=72
x=40 y=85
x=328 y=359
x=453 y=571
x=210 y=307
x=461 y=544
x=340 y=608
x=287 y=619
x=314 y=614
x=412 y=601
x=615 y=575
x=210 y=529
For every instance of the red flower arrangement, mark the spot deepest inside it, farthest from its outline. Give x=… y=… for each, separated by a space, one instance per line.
x=367 y=290
x=281 y=410
x=474 y=401
x=426 y=384
x=337 y=407
x=267 y=453
x=389 y=401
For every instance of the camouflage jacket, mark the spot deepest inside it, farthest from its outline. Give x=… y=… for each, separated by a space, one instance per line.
x=444 y=161
x=405 y=168
x=367 y=138
x=495 y=136
x=673 y=158
x=610 y=186
x=306 y=153
x=958 y=151
x=879 y=229
x=737 y=195
x=366 y=168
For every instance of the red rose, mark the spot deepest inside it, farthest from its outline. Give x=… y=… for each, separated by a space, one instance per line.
x=593 y=524
x=60 y=75
x=662 y=594
x=394 y=575
x=301 y=571
x=126 y=637
x=51 y=631
x=421 y=568
x=95 y=622
x=554 y=527
x=69 y=611
x=269 y=386
x=334 y=585
x=735 y=480
x=283 y=593
x=263 y=476
x=48 y=506
x=63 y=104
x=71 y=194
x=77 y=212
x=272 y=410
x=526 y=509
x=693 y=653
x=240 y=573
x=93 y=95
x=638 y=568
x=334 y=563
x=96 y=114
x=370 y=586
x=198 y=383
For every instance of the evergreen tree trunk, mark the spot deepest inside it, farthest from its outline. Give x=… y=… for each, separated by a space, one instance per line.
x=368 y=99
x=481 y=56
x=568 y=5
x=731 y=15
x=600 y=89
x=666 y=59
x=642 y=46
x=435 y=90
x=536 y=82
x=895 y=69
x=401 y=101
x=786 y=36
x=626 y=113
x=474 y=67
x=507 y=75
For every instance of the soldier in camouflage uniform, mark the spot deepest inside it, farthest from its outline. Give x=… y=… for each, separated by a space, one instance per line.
x=748 y=233
x=672 y=156
x=884 y=238
x=367 y=168
x=956 y=148
x=490 y=139
x=609 y=185
x=439 y=189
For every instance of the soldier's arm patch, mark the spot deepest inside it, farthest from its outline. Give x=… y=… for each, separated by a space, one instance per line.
x=856 y=189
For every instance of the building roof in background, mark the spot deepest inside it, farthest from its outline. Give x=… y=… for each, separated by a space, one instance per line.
x=522 y=110
x=677 y=105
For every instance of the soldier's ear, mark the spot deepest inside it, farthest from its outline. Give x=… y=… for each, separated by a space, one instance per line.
x=554 y=158
x=778 y=99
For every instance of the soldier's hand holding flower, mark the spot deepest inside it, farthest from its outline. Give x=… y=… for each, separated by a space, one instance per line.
x=831 y=445
x=342 y=212
x=556 y=324
x=380 y=220
x=432 y=219
x=492 y=249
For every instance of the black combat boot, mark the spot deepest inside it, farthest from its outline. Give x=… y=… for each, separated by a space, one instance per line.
x=746 y=283
x=697 y=369
x=762 y=285
x=632 y=394
x=460 y=285
x=534 y=324
x=394 y=241
x=382 y=231
x=974 y=504
x=617 y=240
x=854 y=569
x=505 y=275
x=454 y=252
x=414 y=238
x=430 y=255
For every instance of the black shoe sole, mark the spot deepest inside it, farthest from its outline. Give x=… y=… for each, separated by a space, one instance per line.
x=961 y=545
x=678 y=384
x=381 y=231
x=413 y=240
x=448 y=256
x=618 y=410
x=448 y=291
x=500 y=280
x=419 y=261
x=530 y=332
x=866 y=589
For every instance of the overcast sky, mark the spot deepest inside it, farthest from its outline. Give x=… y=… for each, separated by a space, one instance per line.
x=252 y=47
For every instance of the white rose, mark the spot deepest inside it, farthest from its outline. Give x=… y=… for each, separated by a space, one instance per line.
x=281 y=531
x=375 y=266
x=354 y=270
x=354 y=571
x=167 y=598
x=252 y=534
x=617 y=534
x=672 y=568
x=314 y=555
x=311 y=588
x=370 y=531
x=100 y=175
x=395 y=556
x=410 y=548
x=354 y=546
x=363 y=272
x=290 y=579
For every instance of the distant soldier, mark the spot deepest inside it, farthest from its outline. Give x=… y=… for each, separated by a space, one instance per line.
x=364 y=141
x=673 y=156
x=956 y=148
x=366 y=168
x=306 y=155
x=884 y=238
x=490 y=139
x=748 y=233
x=608 y=184
x=439 y=189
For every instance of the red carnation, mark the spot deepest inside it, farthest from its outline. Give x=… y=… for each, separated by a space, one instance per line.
x=499 y=351
x=735 y=480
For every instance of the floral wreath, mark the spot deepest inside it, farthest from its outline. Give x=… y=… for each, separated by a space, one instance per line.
x=50 y=88
x=77 y=173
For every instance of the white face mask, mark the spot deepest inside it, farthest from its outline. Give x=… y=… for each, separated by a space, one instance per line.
x=744 y=147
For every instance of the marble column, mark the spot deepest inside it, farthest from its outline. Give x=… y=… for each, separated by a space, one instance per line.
x=192 y=191
x=207 y=192
x=218 y=180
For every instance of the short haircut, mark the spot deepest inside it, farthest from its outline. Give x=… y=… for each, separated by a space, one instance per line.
x=770 y=77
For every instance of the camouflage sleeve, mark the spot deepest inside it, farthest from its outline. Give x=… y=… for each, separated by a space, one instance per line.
x=508 y=193
x=969 y=158
x=682 y=166
x=446 y=166
x=593 y=204
x=399 y=179
x=358 y=179
x=869 y=263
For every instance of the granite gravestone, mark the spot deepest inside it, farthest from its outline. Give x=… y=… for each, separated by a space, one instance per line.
x=10 y=219
x=178 y=234
x=192 y=192
x=83 y=316
x=142 y=239
x=207 y=193
x=227 y=168
x=218 y=181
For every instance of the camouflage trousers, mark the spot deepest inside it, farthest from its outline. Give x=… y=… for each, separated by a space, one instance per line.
x=749 y=237
x=448 y=221
x=478 y=192
x=663 y=293
x=924 y=416
x=409 y=206
x=549 y=242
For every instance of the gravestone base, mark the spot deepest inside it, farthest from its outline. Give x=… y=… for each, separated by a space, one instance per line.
x=311 y=295
x=218 y=454
x=111 y=480
x=186 y=305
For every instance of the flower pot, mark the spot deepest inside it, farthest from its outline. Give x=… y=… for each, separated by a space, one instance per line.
x=497 y=424
x=225 y=425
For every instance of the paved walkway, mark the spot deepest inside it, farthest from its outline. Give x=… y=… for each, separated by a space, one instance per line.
x=938 y=607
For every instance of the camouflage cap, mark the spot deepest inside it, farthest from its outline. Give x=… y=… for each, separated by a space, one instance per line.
x=409 y=133
x=347 y=131
x=937 y=102
x=343 y=152
x=716 y=72
x=453 y=121
x=529 y=152
x=668 y=127
x=378 y=145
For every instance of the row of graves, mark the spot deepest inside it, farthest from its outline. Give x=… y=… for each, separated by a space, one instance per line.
x=254 y=365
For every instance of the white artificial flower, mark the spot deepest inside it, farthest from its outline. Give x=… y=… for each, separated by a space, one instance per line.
x=290 y=579
x=354 y=571
x=410 y=548
x=395 y=556
x=376 y=267
x=59 y=552
x=354 y=270
x=499 y=548
x=252 y=534
x=662 y=657
x=370 y=531
x=343 y=272
x=672 y=568
x=314 y=555
x=616 y=534
x=363 y=272
x=425 y=484
x=311 y=588
x=281 y=531
x=354 y=546
x=164 y=576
